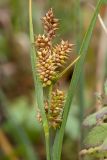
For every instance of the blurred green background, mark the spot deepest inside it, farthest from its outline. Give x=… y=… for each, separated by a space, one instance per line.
x=21 y=136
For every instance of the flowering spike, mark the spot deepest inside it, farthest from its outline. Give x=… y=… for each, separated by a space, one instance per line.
x=50 y=58
x=56 y=109
x=50 y=23
x=61 y=51
x=42 y=41
x=45 y=67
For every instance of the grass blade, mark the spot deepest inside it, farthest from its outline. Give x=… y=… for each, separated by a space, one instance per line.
x=57 y=147
x=37 y=83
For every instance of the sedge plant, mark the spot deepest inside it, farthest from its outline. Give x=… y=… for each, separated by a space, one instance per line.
x=47 y=66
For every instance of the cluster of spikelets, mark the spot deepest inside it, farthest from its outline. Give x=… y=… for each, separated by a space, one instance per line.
x=50 y=58
x=55 y=112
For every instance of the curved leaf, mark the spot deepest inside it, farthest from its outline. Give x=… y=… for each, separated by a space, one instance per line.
x=96 y=136
x=92 y=119
x=104 y=145
x=95 y=152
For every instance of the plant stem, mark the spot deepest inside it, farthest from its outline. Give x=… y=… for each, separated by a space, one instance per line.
x=57 y=147
x=50 y=94
x=37 y=84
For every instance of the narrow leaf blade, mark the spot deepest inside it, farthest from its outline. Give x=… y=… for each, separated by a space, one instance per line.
x=83 y=51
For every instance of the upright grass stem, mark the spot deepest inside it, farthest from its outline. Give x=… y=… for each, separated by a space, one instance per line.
x=37 y=84
x=50 y=94
x=57 y=147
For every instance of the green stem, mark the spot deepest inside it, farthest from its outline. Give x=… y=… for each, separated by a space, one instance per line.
x=57 y=147
x=50 y=95
x=37 y=84
x=51 y=131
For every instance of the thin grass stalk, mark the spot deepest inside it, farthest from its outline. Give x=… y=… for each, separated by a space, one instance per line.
x=57 y=147
x=37 y=83
x=50 y=93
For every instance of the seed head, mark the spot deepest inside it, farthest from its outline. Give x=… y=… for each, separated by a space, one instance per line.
x=61 y=51
x=50 y=58
x=42 y=41
x=46 y=67
x=50 y=23
x=56 y=109
x=55 y=113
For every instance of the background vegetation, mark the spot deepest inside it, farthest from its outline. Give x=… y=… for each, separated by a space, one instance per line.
x=21 y=136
